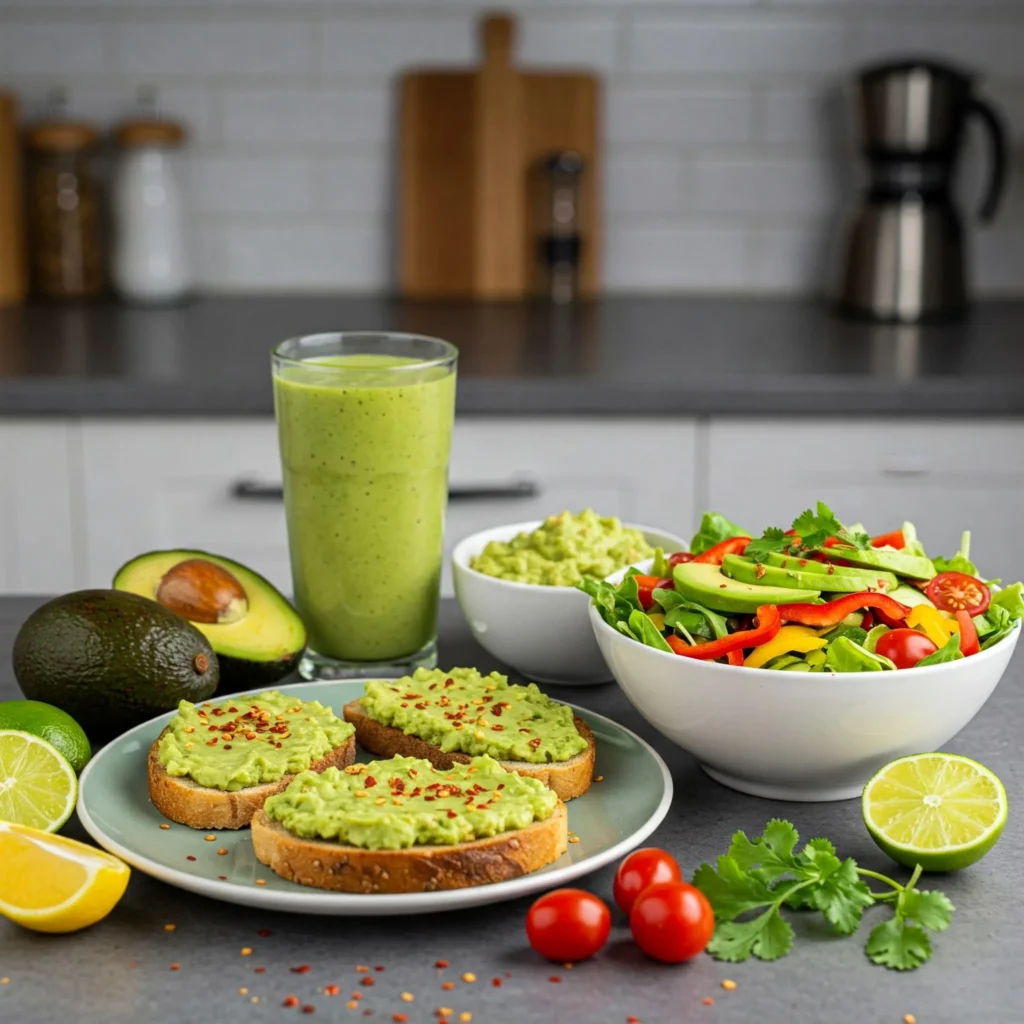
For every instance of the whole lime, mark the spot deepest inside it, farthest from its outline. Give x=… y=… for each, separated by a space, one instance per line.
x=52 y=724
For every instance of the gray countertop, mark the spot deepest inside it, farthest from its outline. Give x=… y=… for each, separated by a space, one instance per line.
x=974 y=974
x=621 y=355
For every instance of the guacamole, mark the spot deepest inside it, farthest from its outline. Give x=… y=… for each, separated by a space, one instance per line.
x=564 y=549
x=248 y=740
x=403 y=802
x=464 y=711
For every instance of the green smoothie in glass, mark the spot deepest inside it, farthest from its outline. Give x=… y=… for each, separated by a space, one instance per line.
x=365 y=423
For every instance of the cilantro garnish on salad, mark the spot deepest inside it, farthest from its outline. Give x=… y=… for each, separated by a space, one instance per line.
x=819 y=597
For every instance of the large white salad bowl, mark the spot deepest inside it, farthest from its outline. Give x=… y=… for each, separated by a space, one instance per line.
x=541 y=631
x=799 y=735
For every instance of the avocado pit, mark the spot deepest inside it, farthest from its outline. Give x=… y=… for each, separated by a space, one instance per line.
x=202 y=591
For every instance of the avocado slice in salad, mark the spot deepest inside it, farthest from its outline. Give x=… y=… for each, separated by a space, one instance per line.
x=814 y=568
x=708 y=585
x=916 y=567
x=910 y=596
x=746 y=571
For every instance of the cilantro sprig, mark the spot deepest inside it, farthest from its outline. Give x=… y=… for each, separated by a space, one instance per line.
x=812 y=529
x=767 y=874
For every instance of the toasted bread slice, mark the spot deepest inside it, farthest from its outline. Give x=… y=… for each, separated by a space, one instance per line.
x=567 y=778
x=183 y=800
x=329 y=865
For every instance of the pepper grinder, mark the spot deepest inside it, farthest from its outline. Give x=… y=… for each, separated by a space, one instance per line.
x=560 y=244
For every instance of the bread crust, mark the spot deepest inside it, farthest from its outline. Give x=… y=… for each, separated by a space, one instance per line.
x=329 y=865
x=568 y=779
x=183 y=800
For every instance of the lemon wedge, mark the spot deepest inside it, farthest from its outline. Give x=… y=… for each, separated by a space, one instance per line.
x=53 y=884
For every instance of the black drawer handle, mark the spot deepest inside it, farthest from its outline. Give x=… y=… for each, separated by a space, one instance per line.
x=253 y=490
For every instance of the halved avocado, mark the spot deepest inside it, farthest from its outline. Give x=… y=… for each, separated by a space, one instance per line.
x=838 y=581
x=256 y=633
x=708 y=585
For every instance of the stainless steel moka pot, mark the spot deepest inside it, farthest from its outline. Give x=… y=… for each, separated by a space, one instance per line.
x=904 y=259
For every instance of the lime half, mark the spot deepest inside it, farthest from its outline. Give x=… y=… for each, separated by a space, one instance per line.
x=941 y=811
x=37 y=785
x=52 y=724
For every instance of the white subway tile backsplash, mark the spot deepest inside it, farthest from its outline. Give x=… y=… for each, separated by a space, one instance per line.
x=689 y=116
x=728 y=124
x=384 y=46
x=62 y=48
x=293 y=256
x=313 y=116
x=752 y=45
x=261 y=48
x=226 y=184
x=766 y=186
x=656 y=258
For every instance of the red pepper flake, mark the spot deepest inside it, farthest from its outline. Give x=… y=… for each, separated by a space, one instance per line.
x=367 y=1013
x=496 y=982
x=554 y=979
x=441 y=964
x=301 y=969
x=233 y=711
x=190 y=857
x=535 y=742
x=708 y=1001
x=357 y=996
x=362 y=968
x=223 y=878
x=175 y=967
x=508 y=974
x=263 y=933
x=165 y=826
x=447 y=986
x=452 y=814
x=222 y=852
x=366 y=981
x=290 y=1001
x=259 y=970
x=309 y=1008
x=379 y=967
x=369 y=782
x=132 y=963
x=331 y=990
x=399 y=1018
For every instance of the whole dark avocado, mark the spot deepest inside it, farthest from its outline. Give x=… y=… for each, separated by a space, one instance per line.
x=112 y=660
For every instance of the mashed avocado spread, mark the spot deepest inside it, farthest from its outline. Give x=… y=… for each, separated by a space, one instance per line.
x=249 y=740
x=461 y=710
x=564 y=549
x=403 y=802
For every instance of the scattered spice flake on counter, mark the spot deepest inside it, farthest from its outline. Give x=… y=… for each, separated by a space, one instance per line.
x=496 y=982
x=190 y=857
x=909 y=1018
x=729 y=985
x=362 y=968
x=351 y=1005
x=469 y=977
x=261 y=881
x=599 y=778
x=379 y=967
x=243 y=991
x=301 y=969
x=165 y=826
x=290 y=1001
x=246 y=951
x=399 y=1018
x=554 y=979
x=169 y=927
x=222 y=878
x=441 y=964
x=309 y=1008
x=259 y=970
x=407 y=997
x=210 y=839
x=222 y=852
x=708 y=1001
x=447 y=985
x=175 y=967
x=366 y=981
x=263 y=933
x=465 y=1017
x=331 y=990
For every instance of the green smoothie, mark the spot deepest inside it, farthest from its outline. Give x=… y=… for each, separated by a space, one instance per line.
x=364 y=450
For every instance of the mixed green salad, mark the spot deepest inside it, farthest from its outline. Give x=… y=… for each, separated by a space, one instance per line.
x=818 y=597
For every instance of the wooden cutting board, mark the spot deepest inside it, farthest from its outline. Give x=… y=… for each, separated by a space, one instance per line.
x=470 y=142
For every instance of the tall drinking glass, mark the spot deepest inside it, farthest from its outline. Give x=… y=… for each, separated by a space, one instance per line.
x=364 y=422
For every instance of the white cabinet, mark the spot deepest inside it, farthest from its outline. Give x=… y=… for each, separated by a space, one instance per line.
x=945 y=476
x=36 y=528
x=172 y=483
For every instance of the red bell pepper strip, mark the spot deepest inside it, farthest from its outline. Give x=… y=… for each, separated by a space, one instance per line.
x=895 y=539
x=715 y=554
x=968 y=634
x=768 y=620
x=646 y=585
x=835 y=542
x=833 y=612
x=735 y=657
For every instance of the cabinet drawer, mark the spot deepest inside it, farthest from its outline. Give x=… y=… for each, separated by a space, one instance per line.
x=944 y=478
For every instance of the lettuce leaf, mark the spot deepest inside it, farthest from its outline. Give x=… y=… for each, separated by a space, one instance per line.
x=843 y=655
x=949 y=651
x=1010 y=599
x=714 y=528
x=960 y=562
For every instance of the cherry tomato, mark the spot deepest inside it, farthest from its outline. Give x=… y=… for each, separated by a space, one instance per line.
x=568 y=924
x=646 y=585
x=968 y=634
x=672 y=921
x=956 y=591
x=889 y=540
x=904 y=647
x=679 y=557
x=639 y=871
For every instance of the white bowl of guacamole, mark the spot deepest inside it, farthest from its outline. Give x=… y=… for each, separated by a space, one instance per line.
x=520 y=601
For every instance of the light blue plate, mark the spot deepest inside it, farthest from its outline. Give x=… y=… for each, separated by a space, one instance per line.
x=614 y=816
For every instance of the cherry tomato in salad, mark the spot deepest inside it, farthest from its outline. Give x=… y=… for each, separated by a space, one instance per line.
x=679 y=557
x=904 y=647
x=568 y=924
x=647 y=585
x=639 y=871
x=968 y=634
x=895 y=539
x=672 y=921
x=956 y=591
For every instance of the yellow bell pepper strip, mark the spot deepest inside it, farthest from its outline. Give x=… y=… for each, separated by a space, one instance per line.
x=789 y=639
x=932 y=623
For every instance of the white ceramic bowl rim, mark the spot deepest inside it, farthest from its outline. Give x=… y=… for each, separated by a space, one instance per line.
x=476 y=542
x=616 y=577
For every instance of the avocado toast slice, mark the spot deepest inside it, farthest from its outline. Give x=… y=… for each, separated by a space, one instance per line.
x=449 y=717
x=401 y=825
x=216 y=763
